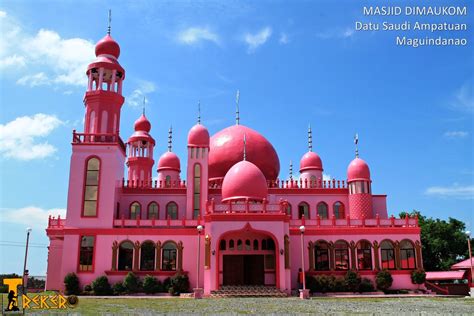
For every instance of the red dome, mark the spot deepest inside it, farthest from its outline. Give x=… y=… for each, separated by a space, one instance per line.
x=142 y=124
x=311 y=161
x=226 y=149
x=244 y=181
x=107 y=46
x=198 y=136
x=169 y=161
x=358 y=170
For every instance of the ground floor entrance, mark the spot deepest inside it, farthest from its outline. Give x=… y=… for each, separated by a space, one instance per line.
x=244 y=270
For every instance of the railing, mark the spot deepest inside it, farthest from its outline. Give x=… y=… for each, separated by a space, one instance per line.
x=54 y=222
x=294 y=184
x=245 y=207
x=93 y=138
x=138 y=222
x=352 y=222
x=150 y=184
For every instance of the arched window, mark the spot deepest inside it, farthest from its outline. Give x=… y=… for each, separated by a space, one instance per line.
x=172 y=210
x=387 y=252
x=364 y=255
x=323 y=210
x=341 y=255
x=168 y=181
x=247 y=245
x=255 y=244
x=91 y=187
x=135 y=209
x=231 y=244
x=288 y=209
x=125 y=256
x=270 y=244
x=147 y=256
x=197 y=191
x=153 y=210
x=222 y=245
x=264 y=244
x=321 y=253
x=407 y=255
x=303 y=208
x=86 y=253
x=239 y=244
x=339 y=211
x=168 y=257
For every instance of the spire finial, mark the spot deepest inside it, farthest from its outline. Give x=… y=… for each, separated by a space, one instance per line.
x=310 y=138
x=199 y=112
x=245 y=147
x=170 y=138
x=356 y=141
x=144 y=102
x=237 y=112
x=110 y=21
x=291 y=170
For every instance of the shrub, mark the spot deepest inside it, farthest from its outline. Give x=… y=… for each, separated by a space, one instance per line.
x=87 y=288
x=101 y=286
x=118 y=288
x=179 y=284
x=71 y=283
x=150 y=284
x=352 y=279
x=366 y=285
x=131 y=283
x=338 y=284
x=166 y=285
x=383 y=280
x=323 y=283
x=311 y=283
x=418 y=276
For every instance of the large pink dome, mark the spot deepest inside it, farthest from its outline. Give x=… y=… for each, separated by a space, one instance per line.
x=198 y=136
x=169 y=161
x=226 y=149
x=244 y=181
x=107 y=46
x=311 y=161
x=358 y=170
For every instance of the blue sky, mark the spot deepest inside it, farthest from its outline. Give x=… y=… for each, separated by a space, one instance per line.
x=295 y=63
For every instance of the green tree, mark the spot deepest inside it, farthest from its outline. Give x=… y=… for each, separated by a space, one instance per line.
x=443 y=242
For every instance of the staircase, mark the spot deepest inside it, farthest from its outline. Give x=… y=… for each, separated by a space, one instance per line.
x=248 y=291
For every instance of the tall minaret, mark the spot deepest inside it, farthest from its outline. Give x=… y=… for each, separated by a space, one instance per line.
x=197 y=173
x=311 y=166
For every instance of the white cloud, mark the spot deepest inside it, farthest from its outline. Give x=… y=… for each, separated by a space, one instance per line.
x=135 y=99
x=336 y=33
x=255 y=40
x=326 y=177
x=31 y=216
x=19 y=138
x=283 y=39
x=58 y=60
x=464 y=98
x=454 y=191
x=194 y=35
x=456 y=134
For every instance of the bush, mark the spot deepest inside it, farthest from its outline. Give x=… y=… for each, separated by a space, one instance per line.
x=311 y=283
x=366 y=285
x=324 y=283
x=352 y=280
x=150 y=284
x=166 y=284
x=71 y=284
x=131 y=283
x=118 y=288
x=179 y=284
x=101 y=286
x=383 y=280
x=418 y=276
x=87 y=288
x=337 y=284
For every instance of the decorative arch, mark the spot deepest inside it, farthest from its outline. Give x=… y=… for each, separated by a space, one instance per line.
x=364 y=255
x=153 y=210
x=135 y=210
x=323 y=210
x=341 y=255
x=407 y=255
x=387 y=254
x=322 y=255
x=303 y=208
x=169 y=256
x=172 y=210
x=125 y=255
x=339 y=210
x=147 y=255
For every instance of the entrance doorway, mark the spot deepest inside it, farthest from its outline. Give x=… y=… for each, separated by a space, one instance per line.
x=244 y=270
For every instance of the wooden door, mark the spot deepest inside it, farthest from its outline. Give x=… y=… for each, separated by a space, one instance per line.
x=233 y=270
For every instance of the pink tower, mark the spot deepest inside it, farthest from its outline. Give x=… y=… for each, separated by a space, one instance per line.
x=140 y=153
x=311 y=166
x=360 y=192
x=169 y=166
x=197 y=175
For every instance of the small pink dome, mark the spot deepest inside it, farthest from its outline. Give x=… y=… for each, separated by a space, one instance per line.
x=358 y=170
x=244 y=180
x=311 y=161
x=198 y=136
x=142 y=124
x=107 y=46
x=169 y=161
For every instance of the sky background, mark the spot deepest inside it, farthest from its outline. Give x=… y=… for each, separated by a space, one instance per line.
x=295 y=63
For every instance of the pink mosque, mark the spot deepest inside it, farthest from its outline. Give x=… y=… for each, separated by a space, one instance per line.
x=230 y=221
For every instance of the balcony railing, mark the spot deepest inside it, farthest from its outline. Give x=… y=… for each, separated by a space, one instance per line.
x=138 y=222
x=294 y=184
x=94 y=138
x=54 y=222
x=351 y=222
x=246 y=208
x=150 y=184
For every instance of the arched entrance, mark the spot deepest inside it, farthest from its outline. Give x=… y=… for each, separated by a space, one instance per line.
x=247 y=257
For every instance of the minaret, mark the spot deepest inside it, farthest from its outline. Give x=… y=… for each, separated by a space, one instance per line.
x=140 y=152
x=311 y=166
x=360 y=191
x=197 y=172
x=169 y=165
